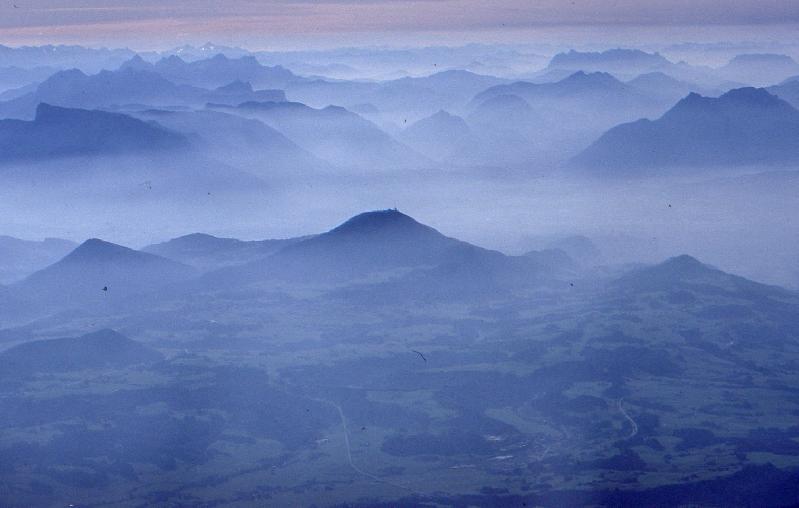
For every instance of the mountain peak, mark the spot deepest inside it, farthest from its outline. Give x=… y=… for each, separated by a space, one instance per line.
x=596 y=78
x=618 y=57
x=751 y=95
x=747 y=97
x=97 y=270
x=172 y=59
x=95 y=249
x=672 y=272
x=135 y=62
x=684 y=264
x=374 y=221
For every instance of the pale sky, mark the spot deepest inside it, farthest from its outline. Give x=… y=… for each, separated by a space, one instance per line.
x=151 y=21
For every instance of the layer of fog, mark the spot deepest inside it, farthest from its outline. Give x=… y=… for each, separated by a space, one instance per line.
x=742 y=224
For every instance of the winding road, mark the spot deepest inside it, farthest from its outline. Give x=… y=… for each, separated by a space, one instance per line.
x=349 y=451
x=632 y=422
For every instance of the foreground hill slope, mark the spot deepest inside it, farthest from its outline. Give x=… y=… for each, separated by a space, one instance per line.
x=101 y=349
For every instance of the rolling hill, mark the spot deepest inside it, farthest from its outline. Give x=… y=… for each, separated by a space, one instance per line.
x=207 y=252
x=101 y=349
x=98 y=272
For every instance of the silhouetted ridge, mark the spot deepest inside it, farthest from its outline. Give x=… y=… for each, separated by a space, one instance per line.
x=687 y=273
x=57 y=131
x=378 y=237
x=368 y=243
x=583 y=78
x=743 y=126
x=210 y=252
x=94 y=250
x=136 y=62
x=684 y=266
x=749 y=97
x=99 y=271
x=612 y=59
x=83 y=118
x=388 y=221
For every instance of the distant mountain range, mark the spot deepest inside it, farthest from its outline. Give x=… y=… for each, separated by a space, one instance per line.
x=63 y=56
x=626 y=64
x=388 y=254
x=592 y=100
x=366 y=244
x=333 y=134
x=743 y=126
x=206 y=252
x=19 y=258
x=624 y=61
x=439 y=136
x=250 y=144
x=447 y=90
x=667 y=88
x=759 y=69
x=787 y=91
x=127 y=87
x=576 y=84
x=17 y=77
x=376 y=257
x=61 y=132
x=216 y=71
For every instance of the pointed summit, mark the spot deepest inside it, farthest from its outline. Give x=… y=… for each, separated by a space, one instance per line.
x=687 y=273
x=137 y=63
x=79 y=278
x=95 y=250
x=172 y=60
